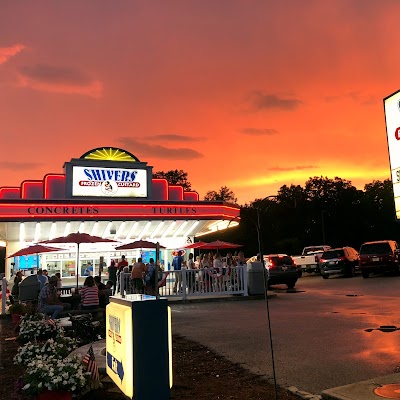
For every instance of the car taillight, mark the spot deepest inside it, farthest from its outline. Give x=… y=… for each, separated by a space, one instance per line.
x=342 y=258
x=270 y=264
x=322 y=260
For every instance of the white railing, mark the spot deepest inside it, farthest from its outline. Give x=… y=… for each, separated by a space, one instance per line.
x=3 y=295
x=197 y=282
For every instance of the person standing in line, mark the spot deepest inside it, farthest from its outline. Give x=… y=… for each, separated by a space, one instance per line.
x=120 y=268
x=122 y=264
x=89 y=294
x=201 y=273
x=241 y=262
x=191 y=277
x=137 y=276
x=177 y=265
x=112 y=274
x=151 y=277
x=207 y=265
x=229 y=264
x=41 y=278
x=218 y=271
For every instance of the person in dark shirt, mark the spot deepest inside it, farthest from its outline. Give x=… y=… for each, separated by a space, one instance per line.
x=102 y=293
x=177 y=264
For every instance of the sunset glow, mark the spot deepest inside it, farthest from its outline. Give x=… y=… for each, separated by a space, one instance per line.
x=249 y=95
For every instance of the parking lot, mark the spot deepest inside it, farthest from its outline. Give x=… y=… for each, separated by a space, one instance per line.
x=318 y=331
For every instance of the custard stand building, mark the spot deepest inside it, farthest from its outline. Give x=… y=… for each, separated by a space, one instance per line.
x=107 y=192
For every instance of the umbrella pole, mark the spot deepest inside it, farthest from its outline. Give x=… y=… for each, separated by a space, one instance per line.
x=156 y=272
x=37 y=261
x=77 y=266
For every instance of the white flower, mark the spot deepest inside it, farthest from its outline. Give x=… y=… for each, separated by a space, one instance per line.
x=27 y=386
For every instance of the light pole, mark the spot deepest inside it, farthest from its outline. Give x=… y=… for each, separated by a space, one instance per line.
x=265 y=277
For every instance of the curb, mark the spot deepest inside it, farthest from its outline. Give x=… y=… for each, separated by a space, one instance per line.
x=221 y=299
x=302 y=394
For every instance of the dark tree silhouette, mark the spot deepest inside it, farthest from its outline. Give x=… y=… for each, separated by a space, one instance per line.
x=224 y=194
x=174 y=177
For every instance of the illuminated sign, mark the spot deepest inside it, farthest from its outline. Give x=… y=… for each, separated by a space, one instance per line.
x=392 y=115
x=119 y=346
x=70 y=211
x=139 y=346
x=92 y=181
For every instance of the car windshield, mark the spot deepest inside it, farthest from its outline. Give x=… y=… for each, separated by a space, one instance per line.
x=309 y=250
x=328 y=255
x=375 y=248
x=281 y=260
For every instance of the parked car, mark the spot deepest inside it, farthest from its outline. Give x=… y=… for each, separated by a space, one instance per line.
x=309 y=259
x=339 y=261
x=378 y=257
x=281 y=269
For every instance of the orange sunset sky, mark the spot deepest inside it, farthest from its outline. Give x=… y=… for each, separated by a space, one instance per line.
x=246 y=94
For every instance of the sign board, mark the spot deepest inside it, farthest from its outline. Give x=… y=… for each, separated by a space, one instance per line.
x=139 y=346
x=119 y=345
x=392 y=115
x=95 y=181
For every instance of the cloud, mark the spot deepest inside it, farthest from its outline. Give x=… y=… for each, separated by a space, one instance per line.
x=296 y=168
x=258 y=132
x=18 y=166
x=357 y=97
x=261 y=101
x=174 y=138
x=7 y=52
x=59 y=80
x=158 y=151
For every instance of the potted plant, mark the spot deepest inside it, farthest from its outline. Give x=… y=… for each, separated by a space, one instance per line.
x=55 y=378
x=17 y=310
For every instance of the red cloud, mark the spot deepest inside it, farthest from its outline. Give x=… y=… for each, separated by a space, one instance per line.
x=8 y=52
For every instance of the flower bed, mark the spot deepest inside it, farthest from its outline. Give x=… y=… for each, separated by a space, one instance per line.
x=59 y=347
x=36 y=327
x=45 y=354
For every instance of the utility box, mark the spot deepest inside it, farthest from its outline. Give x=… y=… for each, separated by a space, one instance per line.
x=255 y=278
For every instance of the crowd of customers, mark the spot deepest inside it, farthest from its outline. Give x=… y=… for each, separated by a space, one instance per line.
x=144 y=279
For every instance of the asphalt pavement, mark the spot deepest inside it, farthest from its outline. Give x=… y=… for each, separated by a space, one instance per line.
x=238 y=330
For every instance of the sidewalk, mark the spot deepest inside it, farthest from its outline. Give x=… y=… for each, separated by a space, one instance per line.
x=389 y=387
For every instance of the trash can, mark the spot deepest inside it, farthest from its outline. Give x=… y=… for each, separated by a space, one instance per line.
x=255 y=278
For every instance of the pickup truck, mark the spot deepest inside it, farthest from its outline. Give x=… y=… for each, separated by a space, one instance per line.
x=309 y=259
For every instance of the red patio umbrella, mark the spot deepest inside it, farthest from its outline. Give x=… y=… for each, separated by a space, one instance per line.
x=78 y=238
x=219 y=244
x=195 y=245
x=34 y=249
x=139 y=244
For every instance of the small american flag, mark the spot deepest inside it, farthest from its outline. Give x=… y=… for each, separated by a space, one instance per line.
x=90 y=361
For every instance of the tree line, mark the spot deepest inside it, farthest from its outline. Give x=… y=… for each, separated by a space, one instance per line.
x=323 y=211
